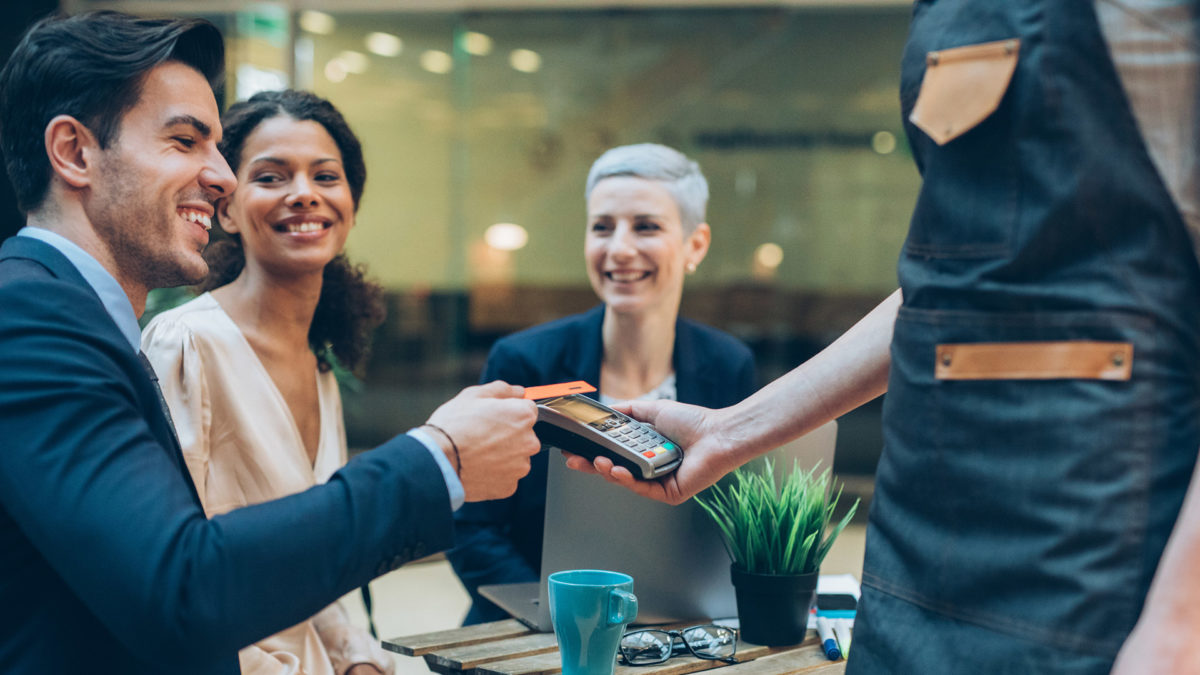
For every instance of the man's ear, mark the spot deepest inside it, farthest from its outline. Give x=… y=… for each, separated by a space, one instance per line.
x=73 y=151
x=226 y=221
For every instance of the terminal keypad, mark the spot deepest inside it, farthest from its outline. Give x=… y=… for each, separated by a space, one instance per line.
x=641 y=439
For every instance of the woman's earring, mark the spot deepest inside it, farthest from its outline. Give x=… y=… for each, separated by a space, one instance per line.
x=691 y=268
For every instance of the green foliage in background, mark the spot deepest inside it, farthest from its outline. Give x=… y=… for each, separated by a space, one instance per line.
x=160 y=300
x=770 y=528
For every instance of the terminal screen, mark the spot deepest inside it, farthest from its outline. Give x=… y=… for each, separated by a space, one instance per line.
x=580 y=409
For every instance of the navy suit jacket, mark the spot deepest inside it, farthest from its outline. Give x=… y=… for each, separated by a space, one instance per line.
x=501 y=541
x=107 y=563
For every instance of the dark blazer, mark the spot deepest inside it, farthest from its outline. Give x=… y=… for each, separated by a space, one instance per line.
x=107 y=563
x=501 y=541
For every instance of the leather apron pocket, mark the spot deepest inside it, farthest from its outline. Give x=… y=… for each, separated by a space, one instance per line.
x=1073 y=359
x=961 y=125
x=1016 y=491
x=962 y=87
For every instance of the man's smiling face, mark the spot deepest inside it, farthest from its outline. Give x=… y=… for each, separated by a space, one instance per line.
x=152 y=201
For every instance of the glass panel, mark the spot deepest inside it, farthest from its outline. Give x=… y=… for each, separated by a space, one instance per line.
x=486 y=123
x=479 y=128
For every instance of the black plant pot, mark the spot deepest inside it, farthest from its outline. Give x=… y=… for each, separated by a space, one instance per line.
x=773 y=608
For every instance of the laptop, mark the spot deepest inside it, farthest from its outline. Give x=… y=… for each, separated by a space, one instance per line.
x=679 y=565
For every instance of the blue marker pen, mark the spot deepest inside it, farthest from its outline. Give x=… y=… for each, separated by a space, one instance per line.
x=828 y=641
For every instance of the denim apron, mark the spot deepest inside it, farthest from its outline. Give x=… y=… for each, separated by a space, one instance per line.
x=1043 y=409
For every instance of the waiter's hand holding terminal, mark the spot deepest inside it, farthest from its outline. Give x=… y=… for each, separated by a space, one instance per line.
x=705 y=460
x=581 y=426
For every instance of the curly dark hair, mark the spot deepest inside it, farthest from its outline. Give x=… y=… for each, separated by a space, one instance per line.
x=351 y=306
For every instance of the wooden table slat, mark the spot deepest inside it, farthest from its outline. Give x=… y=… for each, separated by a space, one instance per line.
x=806 y=658
x=830 y=668
x=509 y=648
x=551 y=662
x=538 y=664
x=424 y=643
x=469 y=656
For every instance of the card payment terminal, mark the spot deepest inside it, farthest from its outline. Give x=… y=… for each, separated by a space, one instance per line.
x=569 y=420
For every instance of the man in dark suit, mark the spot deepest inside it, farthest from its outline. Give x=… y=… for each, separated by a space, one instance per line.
x=107 y=563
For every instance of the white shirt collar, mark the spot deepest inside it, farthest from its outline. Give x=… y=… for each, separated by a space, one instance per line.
x=112 y=296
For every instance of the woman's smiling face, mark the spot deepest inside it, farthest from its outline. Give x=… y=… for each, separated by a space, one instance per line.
x=293 y=206
x=636 y=249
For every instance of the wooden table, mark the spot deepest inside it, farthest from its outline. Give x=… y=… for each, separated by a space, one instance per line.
x=510 y=648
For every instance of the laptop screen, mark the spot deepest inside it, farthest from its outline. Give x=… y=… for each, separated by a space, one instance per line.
x=674 y=553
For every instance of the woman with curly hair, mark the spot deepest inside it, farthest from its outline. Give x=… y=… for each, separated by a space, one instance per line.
x=246 y=366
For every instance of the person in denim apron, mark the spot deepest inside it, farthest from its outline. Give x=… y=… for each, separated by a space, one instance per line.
x=1043 y=409
x=1043 y=416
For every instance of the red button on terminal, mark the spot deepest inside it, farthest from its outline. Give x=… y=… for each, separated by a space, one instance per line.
x=648 y=453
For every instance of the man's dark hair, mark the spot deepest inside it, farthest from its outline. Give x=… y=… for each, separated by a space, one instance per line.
x=92 y=67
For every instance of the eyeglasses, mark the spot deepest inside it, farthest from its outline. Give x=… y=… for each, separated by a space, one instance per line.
x=648 y=647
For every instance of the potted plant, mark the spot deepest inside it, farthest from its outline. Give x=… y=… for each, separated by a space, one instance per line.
x=777 y=533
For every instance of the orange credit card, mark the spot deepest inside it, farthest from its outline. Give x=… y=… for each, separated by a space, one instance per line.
x=552 y=390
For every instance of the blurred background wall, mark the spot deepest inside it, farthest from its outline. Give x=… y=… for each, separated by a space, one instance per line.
x=480 y=120
x=17 y=17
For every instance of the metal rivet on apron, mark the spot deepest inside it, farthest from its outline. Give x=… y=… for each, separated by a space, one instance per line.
x=932 y=58
x=946 y=358
x=1118 y=359
x=1010 y=46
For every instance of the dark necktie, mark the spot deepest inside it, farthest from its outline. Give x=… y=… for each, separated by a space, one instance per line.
x=162 y=401
x=176 y=450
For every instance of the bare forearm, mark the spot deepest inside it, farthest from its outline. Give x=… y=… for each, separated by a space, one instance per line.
x=1176 y=587
x=846 y=374
x=843 y=376
x=1164 y=639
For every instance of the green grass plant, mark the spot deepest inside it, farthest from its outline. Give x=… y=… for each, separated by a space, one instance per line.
x=773 y=528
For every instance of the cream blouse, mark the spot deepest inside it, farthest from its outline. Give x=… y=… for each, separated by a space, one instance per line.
x=242 y=446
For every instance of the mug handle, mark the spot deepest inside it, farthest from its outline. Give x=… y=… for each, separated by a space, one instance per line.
x=622 y=607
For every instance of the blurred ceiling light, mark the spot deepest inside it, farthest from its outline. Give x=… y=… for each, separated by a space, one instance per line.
x=384 y=44
x=506 y=237
x=252 y=79
x=477 y=44
x=312 y=21
x=335 y=71
x=436 y=61
x=353 y=62
x=525 y=60
x=769 y=255
x=883 y=142
x=745 y=182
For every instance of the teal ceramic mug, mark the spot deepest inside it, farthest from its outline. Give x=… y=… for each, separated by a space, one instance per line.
x=589 y=610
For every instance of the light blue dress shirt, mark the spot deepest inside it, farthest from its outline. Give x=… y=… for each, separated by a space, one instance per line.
x=112 y=296
x=117 y=304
